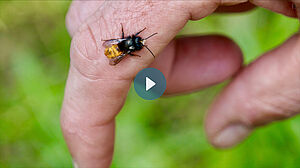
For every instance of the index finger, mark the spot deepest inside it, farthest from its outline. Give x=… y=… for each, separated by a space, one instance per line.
x=96 y=91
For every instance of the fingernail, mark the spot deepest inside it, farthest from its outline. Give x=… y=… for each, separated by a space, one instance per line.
x=231 y=135
x=75 y=164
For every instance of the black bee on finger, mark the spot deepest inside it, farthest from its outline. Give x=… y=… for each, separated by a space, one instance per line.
x=117 y=49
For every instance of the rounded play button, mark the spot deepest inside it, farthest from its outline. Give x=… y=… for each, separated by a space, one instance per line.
x=150 y=83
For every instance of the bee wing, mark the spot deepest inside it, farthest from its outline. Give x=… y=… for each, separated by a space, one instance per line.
x=116 y=60
x=109 y=43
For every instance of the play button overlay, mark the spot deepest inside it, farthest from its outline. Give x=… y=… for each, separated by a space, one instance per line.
x=150 y=83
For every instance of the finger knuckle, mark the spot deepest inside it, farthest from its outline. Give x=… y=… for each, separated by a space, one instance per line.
x=85 y=55
x=262 y=111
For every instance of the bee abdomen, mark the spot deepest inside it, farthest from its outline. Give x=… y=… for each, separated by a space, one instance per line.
x=112 y=51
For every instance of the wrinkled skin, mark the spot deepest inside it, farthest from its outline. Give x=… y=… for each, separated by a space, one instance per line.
x=265 y=91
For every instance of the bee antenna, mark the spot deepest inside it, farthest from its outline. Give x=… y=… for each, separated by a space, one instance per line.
x=150 y=51
x=151 y=36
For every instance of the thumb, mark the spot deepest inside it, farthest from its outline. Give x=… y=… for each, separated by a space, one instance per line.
x=265 y=91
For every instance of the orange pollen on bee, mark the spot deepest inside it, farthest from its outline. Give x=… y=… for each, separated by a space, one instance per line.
x=112 y=51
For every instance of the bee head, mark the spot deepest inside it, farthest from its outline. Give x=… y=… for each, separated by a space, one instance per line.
x=138 y=43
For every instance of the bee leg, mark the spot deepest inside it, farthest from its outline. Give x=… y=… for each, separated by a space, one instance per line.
x=109 y=39
x=140 y=31
x=135 y=55
x=123 y=36
x=150 y=51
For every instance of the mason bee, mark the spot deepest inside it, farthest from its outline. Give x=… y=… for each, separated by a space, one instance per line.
x=117 y=49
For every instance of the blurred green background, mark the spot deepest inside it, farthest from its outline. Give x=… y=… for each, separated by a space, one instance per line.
x=166 y=133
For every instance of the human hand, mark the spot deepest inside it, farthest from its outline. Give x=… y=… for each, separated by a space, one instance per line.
x=266 y=90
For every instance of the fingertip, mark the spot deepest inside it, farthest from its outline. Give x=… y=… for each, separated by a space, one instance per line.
x=78 y=12
x=225 y=124
x=229 y=136
x=201 y=62
x=231 y=57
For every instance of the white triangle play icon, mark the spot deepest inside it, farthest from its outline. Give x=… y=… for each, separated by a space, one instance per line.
x=149 y=83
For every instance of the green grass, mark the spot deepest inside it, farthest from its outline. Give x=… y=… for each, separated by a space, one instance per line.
x=165 y=133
